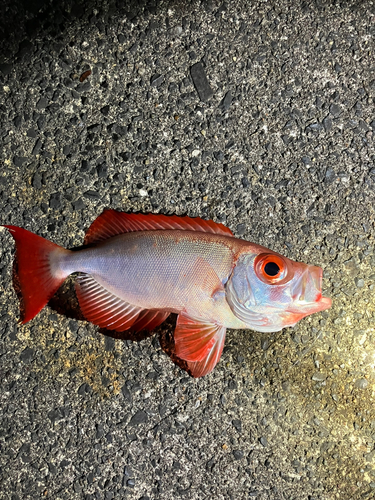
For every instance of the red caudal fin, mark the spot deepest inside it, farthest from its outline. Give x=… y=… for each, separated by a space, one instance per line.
x=38 y=281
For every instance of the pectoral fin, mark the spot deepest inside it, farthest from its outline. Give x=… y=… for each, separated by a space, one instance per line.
x=198 y=343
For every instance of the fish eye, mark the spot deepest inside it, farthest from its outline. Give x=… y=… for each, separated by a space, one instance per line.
x=272 y=269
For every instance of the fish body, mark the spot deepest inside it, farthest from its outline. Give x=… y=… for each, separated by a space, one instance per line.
x=137 y=269
x=162 y=270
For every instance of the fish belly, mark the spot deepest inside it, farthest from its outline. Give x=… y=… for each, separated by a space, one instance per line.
x=157 y=269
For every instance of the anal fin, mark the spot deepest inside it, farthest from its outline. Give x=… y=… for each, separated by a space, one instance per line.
x=149 y=319
x=104 y=309
x=198 y=343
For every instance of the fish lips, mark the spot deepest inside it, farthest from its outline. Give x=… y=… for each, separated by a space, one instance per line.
x=307 y=293
x=304 y=309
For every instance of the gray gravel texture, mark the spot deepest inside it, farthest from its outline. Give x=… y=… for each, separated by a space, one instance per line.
x=256 y=114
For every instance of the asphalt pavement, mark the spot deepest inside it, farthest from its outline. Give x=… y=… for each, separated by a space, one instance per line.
x=259 y=115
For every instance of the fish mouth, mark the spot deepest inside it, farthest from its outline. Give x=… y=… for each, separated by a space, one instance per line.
x=307 y=293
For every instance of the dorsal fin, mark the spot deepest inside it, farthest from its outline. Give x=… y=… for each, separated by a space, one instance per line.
x=111 y=222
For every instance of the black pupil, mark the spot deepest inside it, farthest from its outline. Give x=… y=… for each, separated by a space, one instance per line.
x=271 y=269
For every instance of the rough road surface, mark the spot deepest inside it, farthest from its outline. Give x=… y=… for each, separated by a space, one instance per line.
x=256 y=114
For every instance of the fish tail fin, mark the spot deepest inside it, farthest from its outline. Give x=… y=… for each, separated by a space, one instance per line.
x=38 y=278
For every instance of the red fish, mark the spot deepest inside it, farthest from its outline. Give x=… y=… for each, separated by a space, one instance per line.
x=137 y=269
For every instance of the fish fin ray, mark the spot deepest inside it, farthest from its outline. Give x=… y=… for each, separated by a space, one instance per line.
x=103 y=308
x=149 y=319
x=206 y=365
x=199 y=343
x=112 y=222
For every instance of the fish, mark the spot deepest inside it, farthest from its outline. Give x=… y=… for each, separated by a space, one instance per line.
x=134 y=270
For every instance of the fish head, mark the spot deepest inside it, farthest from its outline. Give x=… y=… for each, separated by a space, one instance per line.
x=268 y=292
